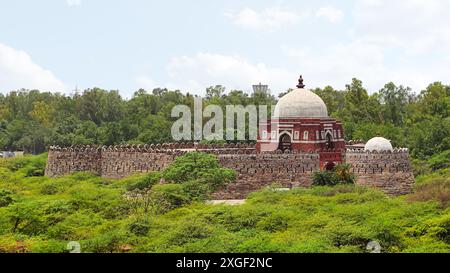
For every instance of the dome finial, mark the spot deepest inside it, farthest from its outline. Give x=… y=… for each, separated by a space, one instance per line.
x=300 y=82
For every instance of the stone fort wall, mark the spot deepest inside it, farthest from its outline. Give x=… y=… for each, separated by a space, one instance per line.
x=390 y=172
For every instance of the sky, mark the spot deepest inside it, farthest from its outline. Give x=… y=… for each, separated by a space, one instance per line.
x=63 y=45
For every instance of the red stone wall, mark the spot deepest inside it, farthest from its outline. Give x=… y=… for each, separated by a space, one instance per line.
x=390 y=172
x=260 y=170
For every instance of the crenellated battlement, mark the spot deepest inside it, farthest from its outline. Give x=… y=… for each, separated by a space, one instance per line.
x=395 y=151
x=154 y=147
x=379 y=161
x=390 y=171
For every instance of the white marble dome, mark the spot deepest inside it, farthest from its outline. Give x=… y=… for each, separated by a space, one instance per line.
x=378 y=144
x=300 y=103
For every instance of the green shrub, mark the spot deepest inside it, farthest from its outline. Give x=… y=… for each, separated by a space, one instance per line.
x=139 y=227
x=141 y=182
x=190 y=231
x=6 y=197
x=343 y=174
x=198 y=166
x=273 y=223
x=420 y=167
x=436 y=162
x=29 y=165
x=196 y=191
x=81 y=176
x=107 y=242
x=49 y=189
x=15 y=164
x=338 y=189
x=36 y=166
x=324 y=178
x=48 y=246
x=27 y=217
x=339 y=175
x=437 y=189
x=439 y=161
x=169 y=196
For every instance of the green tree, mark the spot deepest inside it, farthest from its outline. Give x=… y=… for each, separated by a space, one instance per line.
x=198 y=167
x=42 y=113
x=435 y=100
x=395 y=100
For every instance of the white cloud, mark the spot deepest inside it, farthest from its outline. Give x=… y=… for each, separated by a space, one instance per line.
x=407 y=42
x=195 y=73
x=332 y=14
x=17 y=70
x=336 y=65
x=269 y=18
x=146 y=83
x=72 y=3
x=415 y=26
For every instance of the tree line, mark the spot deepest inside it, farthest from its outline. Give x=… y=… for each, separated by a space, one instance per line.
x=32 y=120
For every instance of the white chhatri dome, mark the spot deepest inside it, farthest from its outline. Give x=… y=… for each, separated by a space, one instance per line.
x=378 y=144
x=300 y=103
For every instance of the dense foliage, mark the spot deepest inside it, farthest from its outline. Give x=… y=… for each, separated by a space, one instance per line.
x=136 y=214
x=203 y=168
x=33 y=120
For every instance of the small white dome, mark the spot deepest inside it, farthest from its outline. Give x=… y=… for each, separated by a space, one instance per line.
x=300 y=103
x=378 y=144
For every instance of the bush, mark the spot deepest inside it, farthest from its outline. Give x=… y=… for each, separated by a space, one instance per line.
x=201 y=167
x=6 y=197
x=436 y=190
x=436 y=162
x=36 y=166
x=108 y=242
x=168 y=196
x=190 y=231
x=141 y=182
x=49 y=189
x=273 y=223
x=196 y=191
x=9 y=243
x=324 y=178
x=48 y=246
x=440 y=161
x=27 y=217
x=30 y=165
x=339 y=175
x=343 y=174
x=139 y=227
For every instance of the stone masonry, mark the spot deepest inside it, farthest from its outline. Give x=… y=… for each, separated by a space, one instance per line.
x=388 y=171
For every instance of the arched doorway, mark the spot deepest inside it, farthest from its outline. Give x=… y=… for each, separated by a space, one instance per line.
x=329 y=144
x=285 y=142
x=330 y=166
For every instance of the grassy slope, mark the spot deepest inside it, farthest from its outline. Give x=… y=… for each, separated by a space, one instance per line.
x=48 y=213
